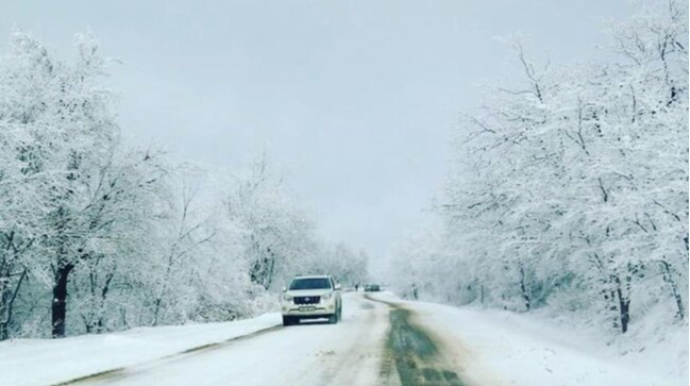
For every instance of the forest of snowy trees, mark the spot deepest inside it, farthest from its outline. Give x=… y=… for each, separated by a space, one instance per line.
x=571 y=192
x=99 y=235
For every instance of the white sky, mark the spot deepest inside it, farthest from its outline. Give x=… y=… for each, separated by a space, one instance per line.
x=356 y=100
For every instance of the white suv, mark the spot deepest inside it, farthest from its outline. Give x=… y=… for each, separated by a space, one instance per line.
x=311 y=297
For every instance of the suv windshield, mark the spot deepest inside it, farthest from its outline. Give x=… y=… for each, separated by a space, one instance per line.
x=314 y=283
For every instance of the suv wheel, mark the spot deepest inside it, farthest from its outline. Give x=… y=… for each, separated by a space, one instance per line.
x=287 y=321
x=333 y=319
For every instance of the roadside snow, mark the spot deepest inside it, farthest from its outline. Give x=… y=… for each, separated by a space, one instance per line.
x=663 y=349
x=503 y=348
x=40 y=362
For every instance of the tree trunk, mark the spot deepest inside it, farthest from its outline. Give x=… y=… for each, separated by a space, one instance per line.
x=6 y=308
x=6 y=265
x=59 y=306
x=623 y=306
x=269 y=274
x=4 y=320
x=523 y=289
x=102 y=304
x=668 y=277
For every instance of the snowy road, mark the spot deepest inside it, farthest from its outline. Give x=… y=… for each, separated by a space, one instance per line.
x=381 y=341
x=361 y=350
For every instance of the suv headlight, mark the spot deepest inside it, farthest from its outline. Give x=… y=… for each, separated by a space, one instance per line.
x=327 y=296
x=287 y=298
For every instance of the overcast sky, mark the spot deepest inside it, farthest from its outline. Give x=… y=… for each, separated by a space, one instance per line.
x=355 y=100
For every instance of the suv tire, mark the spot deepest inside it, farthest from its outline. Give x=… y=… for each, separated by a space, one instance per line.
x=288 y=321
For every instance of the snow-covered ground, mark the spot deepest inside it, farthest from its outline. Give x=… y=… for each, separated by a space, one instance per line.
x=484 y=348
x=29 y=362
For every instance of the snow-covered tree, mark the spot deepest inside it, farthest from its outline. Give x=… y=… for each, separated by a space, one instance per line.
x=71 y=190
x=571 y=191
x=97 y=235
x=277 y=231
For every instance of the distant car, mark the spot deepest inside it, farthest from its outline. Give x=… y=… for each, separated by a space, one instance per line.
x=372 y=288
x=311 y=297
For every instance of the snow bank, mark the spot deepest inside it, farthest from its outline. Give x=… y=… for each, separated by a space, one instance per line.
x=654 y=344
x=55 y=361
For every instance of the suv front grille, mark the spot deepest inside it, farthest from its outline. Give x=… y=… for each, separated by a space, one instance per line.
x=307 y=299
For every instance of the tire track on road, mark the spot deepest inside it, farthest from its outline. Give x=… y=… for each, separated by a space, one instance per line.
x=414 y=354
